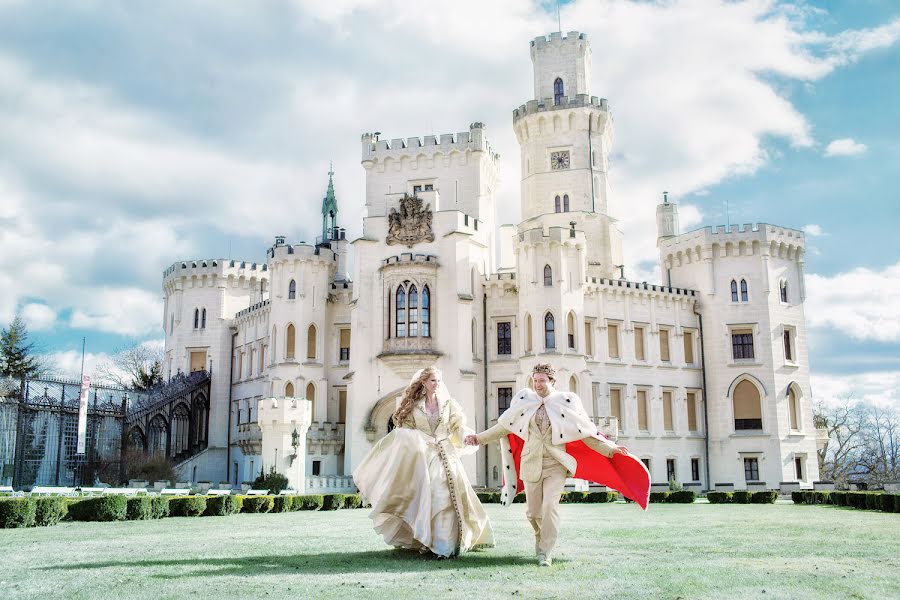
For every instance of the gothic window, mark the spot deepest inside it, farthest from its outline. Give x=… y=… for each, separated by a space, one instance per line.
x=570 y=330
x=556 y=204
x=747 y=408
x=573 y=384
x=401 y=312
x=203 y=319
x=413 y=311
x=784 y=296
x=196 y=318
x=272 y=343
x=504 y=338
x=565 y=203
x=793 y=405
x=345 y=345
x=528 y=333
x=504 y=399
x=734 y=294
x=292 y=290
x=558 y=91
x=311 y=396
x=549 y=332
x=289 y=390
x=743 y=290
x=311 y=342
x=290 y=337
x=426 y=311
x=548 y=275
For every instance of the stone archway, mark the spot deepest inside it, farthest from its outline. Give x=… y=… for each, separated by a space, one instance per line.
x=377 y=423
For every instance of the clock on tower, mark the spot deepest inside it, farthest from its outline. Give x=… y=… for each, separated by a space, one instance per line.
x=559 y=160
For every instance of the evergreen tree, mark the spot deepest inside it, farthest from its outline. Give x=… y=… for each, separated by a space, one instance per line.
x=17 y=357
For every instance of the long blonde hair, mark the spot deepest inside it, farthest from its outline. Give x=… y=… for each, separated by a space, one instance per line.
x=413 y=392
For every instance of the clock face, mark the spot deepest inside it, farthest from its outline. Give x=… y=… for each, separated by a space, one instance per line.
x=559 y=160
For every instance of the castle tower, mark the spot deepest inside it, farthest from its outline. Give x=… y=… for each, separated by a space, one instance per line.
x=565 y=136
x=329 y=208
x=666 y=219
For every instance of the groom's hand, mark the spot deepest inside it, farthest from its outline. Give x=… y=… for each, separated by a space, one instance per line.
x=621 y=450
x=471 y=440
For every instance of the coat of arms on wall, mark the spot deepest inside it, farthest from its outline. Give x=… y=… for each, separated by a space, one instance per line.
x=411 y=224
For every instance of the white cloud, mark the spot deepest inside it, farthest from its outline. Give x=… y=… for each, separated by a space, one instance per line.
x=882 y=388
x=813 y=230
x=127 y=311
x=861 y=303
x=38 y=317
x=845 y=147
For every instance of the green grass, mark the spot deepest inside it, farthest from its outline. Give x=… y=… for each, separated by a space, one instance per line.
x=609 y=550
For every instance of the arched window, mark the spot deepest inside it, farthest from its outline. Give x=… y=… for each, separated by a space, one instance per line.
x=549 y=332
x=158 y=436
x=203 y=319
x=289 y=390
x=794 y=407
x=570 y=330
x=474 y=339
x=292 y=290
x=747 y=409
x=556 y=204
x=528 y=342
x=734 y=294
x=743 y=290
x=413 y=311
x=290 y=337
x=311 y=396
x=784 y=297
x=401 y=312
x=558 y=91
x=196 y=318
x=311 y=342
x=180 y=427
x=565 y=203
x=426 y=312
x=573 y=384
x=272 y=344
x=548 y=275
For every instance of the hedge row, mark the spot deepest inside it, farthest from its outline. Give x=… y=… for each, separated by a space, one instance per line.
x=863 y=500
x=566 y=498
x=743 y=497
x=28 y=512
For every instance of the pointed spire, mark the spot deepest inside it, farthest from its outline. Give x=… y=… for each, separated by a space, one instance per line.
x=329 y=207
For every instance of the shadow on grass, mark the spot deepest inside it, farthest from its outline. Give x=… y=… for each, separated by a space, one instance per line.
x=319 y=564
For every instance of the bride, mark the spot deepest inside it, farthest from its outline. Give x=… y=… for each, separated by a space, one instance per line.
x=420 y=496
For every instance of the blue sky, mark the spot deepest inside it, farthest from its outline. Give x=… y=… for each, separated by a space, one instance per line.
x=134 y=135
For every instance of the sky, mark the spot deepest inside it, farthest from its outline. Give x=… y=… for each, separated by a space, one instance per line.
x=135 y=135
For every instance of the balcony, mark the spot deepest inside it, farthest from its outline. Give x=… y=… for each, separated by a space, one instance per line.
x=324 y=437
x=249 y=438
x=406 y=355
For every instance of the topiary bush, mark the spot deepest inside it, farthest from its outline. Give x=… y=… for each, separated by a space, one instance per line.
x=740 y=497
x=353 y=501
x=187 y=506
x=281 y=504
x=873 y=501
x=764 y=497
x=17 y=512
x=101 y=508
x=50 y=511
x=681 y=497
x=519 y=498
x=139 y=508
x=333 y=501
x=160 y=506
x=719 y=497
x=659 y=496
x=601 y=497
x=257 y=504
x=218 y=506
x=489 y=497
x=309 y=502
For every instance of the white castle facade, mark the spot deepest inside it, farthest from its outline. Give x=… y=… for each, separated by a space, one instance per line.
x=705 y=377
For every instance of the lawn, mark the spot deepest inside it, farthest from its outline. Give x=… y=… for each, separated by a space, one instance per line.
x=613 y=550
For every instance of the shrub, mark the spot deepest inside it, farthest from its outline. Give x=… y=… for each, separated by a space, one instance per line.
x=489 y=497
x=309 y=502
x=601 y=497
x=257 y=504
x=101 y=508
x=17 y=512
x=681 y=497
x=897 y=503
x=187 y=506
x=839 y=498
x=333 y=501
x=873 y=501
x=160 y=506
x=519 y=498
x=740 y=497
x=764 y=497
x=149 y=467
x=353 y=501
x=139 y=508
x=218 y=506
x=821 y=497
x=797 y=497
x=719 y=497
x=658 y=496
x=281 y=504
x=50 y=511
x=272 y=481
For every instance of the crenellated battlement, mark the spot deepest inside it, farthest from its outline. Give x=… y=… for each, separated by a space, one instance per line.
x=374 y=148
x=557 y=39
x=623 y=285
x=220 y=267
x=560 y=235
x=410 y=258
x=300 y=251
x=763 y=233
x=579 y=101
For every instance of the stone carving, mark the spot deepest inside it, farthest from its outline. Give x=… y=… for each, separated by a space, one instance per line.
x=411 y=224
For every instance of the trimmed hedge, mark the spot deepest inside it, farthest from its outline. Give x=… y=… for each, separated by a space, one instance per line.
x=50 y=511
x=139 y=508
x=257 y=504
x=220 y=506
x=601 y=497
x=187 y=506
x=281 y=504
x=740 y=497
x=862 y=500
x=309 y=502
x=764 y=497
x=489 y=497
x=160 y=506
x=719 y=497
x=101 y=508
x=519 y=498
x=353 y=501
x=17 y=512
x=334 y=501
x=681 y=497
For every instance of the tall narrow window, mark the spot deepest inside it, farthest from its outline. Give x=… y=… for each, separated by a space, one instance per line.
x=556 y=205
x=664 y=345
x=401 y=312
x=504 y=338
x=798 y=467
x=734 y=293
x=793 y=407
x=642 y=410
x=742 y=344
x=691 y=401
x=413 y=311
x=528 y=333
x=573 y=384
x=588 y=339
x=747 y=408
x=788 y=351
x=196 y=318
x=273 y=345
x=695 y=469
x=744 y=296
x=565 y=203
x=311 y=396
x=504 y=399
x=342 y=406
x=688 y=348
x=474 y=339
x=751 y=469
x=612 y=332
x=639 y=344
x=670 y=469
x=426 y=311
x=548 y=275
x=289 y=390
x=290 y=339
x=783 y=290
x=311 y=342
x=203 y=319
x=667 y=412
x=345 y=345
x=292 y=290
x=549 y=332
x=615 y=406
x=570 y=331
x=558 y=91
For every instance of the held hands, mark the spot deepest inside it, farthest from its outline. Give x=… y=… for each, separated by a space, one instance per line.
x=471 y=440
x=621 y=450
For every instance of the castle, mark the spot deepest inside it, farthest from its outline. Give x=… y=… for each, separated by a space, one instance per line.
x=704 y=377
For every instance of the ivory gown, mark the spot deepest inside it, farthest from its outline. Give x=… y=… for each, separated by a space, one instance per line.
x=421 y=498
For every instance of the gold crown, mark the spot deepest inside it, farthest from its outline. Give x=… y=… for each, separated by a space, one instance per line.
x=546 y=370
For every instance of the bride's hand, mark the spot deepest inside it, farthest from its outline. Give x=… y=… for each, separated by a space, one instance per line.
x=471 y=440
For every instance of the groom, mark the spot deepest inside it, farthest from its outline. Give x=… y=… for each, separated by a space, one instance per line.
x=549 y=437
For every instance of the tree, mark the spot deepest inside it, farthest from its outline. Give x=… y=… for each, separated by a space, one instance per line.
x=137 y=367
x=17 y=355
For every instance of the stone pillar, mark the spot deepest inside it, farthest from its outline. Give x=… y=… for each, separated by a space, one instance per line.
x=278 y=419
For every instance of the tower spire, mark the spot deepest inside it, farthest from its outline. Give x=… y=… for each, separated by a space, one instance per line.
x=329 y=207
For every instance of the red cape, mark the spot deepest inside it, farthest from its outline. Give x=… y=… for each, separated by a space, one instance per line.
x=623 y=472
